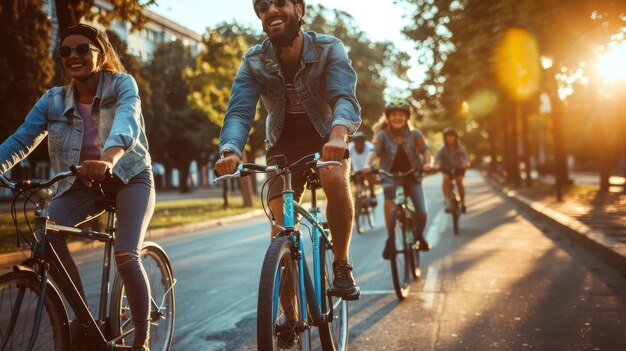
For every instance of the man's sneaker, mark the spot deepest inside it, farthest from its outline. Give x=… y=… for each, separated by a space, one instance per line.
x=388 y=250
x=344 y=285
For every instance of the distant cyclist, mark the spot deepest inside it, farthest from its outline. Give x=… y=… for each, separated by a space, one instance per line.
x=452 y=156
x=402 y=147
x=359 y=149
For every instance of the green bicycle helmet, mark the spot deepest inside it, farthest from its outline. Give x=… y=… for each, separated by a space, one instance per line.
x=397 y=105
x=294 y=1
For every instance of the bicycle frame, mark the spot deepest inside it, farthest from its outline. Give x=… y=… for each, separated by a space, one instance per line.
x=310 y=289
x=43 y=252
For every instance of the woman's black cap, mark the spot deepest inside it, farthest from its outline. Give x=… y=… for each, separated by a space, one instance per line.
x=98 y=37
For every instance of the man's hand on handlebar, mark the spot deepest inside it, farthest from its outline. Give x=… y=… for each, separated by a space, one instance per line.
x=228 y=163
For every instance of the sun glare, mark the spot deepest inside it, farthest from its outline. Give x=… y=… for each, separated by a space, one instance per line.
x=612 y=65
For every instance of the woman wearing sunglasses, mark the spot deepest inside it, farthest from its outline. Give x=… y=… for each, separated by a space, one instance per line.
x=95 y=121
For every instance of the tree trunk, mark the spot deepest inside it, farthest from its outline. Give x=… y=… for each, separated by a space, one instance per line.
x=514 y=175
x=526 y=144
x=561 y=173
x=183 y=175
x=250 y=155
x=246 y=187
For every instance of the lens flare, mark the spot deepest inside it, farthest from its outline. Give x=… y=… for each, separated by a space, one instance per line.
x=517 y=64
x=612 y=65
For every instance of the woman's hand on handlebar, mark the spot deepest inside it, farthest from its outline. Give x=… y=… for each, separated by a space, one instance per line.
x=227 y=164
x=95 y=170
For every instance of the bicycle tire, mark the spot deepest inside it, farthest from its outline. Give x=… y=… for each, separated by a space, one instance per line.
x=414 y=253
x=279 y=263
x=333 y=334
x=400 y=274
x=371 y=219
x=162 y=300
x=54 y=333
x=358 y=215
x=456 y=213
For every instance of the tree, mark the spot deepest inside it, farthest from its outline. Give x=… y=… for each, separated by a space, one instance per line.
x=70 y=12
x=455 y=39
x=374 y=62
x=178 y=133
x=25 y=62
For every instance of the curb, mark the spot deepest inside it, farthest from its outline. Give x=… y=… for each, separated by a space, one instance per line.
x=15 y=257
x=598 y=243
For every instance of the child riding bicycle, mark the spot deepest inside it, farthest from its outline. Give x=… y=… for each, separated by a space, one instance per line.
x=452 y=160
x=401 y=147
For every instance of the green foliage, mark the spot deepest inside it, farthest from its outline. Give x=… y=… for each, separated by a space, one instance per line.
x=25 y=60
x=456 y=40
x=131 y=11
x=211 y=79
x=373 y=62
x=178 y=133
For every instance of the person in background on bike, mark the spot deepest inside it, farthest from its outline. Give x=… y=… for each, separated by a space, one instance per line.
x=95 y=121
x=359 y=149
x=452 y=156
x=401 y=147
x=307 y=85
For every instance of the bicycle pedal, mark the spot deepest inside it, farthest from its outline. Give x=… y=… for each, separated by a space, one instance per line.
x=355 y=295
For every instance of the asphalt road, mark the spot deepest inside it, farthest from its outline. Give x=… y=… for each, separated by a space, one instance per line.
x=507 y=282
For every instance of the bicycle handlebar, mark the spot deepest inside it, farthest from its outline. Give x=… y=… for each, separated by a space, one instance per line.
x=31 y=184
x=245 y=169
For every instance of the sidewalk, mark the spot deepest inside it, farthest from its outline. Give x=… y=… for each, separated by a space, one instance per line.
x=595 y=220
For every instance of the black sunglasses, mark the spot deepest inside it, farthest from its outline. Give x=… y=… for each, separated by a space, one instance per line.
x=81 y=49
x=262 y=6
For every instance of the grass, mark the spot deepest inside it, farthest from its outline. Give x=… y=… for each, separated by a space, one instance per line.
x=166 y=214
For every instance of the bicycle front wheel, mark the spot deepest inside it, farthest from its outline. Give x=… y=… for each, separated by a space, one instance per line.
x=400 y=261
x=359 y=218
x=162 y=302
x=455 y=211
x=334 y=333
x=280 y=322
x=19 y=294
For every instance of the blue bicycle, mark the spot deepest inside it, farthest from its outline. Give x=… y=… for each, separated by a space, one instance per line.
x=291 y=301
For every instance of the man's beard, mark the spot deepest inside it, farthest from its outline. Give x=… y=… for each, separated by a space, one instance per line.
x=286 y=37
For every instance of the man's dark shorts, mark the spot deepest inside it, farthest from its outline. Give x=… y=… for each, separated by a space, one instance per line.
x=293 y=152
x=459 y=172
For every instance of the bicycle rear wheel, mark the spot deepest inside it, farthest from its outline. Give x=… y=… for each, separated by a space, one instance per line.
x=162 y=302
x=334 y=333
x=400 y=260
x=19 y=294
x=280 y=324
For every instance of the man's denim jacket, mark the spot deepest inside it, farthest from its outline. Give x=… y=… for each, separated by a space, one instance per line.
x=116 y=110
x=325 y=84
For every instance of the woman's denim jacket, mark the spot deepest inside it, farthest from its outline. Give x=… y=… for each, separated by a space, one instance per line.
x=325 y=84
x=116 y=110
x=389 y=148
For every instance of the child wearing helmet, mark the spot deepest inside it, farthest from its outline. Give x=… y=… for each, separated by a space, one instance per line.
x=402 y=147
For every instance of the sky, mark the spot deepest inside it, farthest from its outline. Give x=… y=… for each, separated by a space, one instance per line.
x=385 y=22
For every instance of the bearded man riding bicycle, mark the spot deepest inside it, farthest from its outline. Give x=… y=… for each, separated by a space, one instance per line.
x=307 y=85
